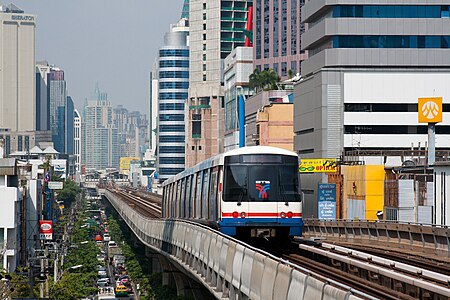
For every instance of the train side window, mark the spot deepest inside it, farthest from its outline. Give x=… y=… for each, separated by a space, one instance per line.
x=198 y=201
x=183 y=196
x=205 y=193
x=163 y=203
x=213 y=195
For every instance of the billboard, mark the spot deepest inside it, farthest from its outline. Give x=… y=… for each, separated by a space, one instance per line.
x=430 y=110
x=55 y=185
x=327 y=201
x=318 y=165
x=125 y=163
x=45 y=230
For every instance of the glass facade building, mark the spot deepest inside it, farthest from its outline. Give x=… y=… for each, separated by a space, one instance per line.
x=173 y=84
x=277 y=29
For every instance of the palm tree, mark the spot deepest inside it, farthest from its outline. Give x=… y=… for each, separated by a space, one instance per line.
x=264 y=80
x=255 y=80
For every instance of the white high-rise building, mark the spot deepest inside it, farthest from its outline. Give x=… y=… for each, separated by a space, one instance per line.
x=17 y=69
x=77 y=140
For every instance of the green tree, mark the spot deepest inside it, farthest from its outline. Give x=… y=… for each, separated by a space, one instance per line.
x=69 y=192
x=264 y=80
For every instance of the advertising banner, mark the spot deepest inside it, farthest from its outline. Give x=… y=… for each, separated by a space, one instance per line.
x=45 y=230
x=318 y=165
x=55 y=185
x=327 y=201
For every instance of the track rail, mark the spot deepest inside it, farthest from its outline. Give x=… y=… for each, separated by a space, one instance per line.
x=382 y=277
x=144 y=206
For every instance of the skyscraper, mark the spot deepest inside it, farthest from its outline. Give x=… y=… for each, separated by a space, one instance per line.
x=77 y=139
x=173 y=84
x=215 y=28
x=277 y=31
x=17 y=70
x=57 y=93
x=69 y=124
x=100 y=142
x=42 y=99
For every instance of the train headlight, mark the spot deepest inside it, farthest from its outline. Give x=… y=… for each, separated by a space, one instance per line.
x=235 y=214
x=242 y=214
x=283 y=215
x=290 y=214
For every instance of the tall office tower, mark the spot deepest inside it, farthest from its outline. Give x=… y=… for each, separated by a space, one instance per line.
x=368 y=65
x=276 y=36
x=17 y=70
x=57 y=94
x=100 y=142
x=77 y=138
x=153 y=107
x=130 y=128
x=69 y=134
x=42 y=99
x=185 y=11
x=215 y=28
x=173 y=84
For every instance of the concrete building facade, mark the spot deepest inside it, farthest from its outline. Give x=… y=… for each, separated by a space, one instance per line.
x=100 y=137
x=237 y=70
x=215 y=29
x=277 y=30
x=77 y=139
x=17 y=69
x=368 y=65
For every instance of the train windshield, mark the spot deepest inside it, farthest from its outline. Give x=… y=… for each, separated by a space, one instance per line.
x=268 y=182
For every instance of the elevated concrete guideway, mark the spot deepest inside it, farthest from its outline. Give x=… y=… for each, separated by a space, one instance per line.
x=225 y=266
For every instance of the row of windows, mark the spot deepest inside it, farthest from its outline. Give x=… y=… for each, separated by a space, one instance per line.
x=386 y=107
x=170 y=128
x=171 y=106
x=174 y=52
x=391 y=41
x=391 y=11
x=174 y=63
x=194 y=196
x=171 y=149
x=173 y=95
x=171 y=139
x=388 y=129
x=171 y=160
x=174 y=85
x=171 y=117
x=170 y=171
x=174 y=74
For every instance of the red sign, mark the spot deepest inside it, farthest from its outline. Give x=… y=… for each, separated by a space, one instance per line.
x=45 y=230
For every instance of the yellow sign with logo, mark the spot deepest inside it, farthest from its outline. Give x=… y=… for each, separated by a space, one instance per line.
x=318 y=165
x=430 y=110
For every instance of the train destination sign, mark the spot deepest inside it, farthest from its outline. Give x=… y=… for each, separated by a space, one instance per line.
x=318 y=165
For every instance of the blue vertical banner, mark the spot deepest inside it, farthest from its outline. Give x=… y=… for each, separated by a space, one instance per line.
x=327 y=201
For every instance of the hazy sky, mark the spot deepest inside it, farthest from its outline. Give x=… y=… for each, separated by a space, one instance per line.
x=110 y=41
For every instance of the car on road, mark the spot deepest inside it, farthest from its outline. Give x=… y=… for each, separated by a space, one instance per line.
x=102 y=282
x=112 y=244
x=106 y=237
x=121 y=290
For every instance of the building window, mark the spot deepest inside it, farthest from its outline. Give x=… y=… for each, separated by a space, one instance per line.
x=204 y=5
x=275 y=67
x=196 y=126
x=200 y=148
x=204 y=47
x=204 y=77
x=204 y=36
x=284 y=68
x=294 y=66
x=193 y=147
x=204 y=26
x=204 y=67
x=204 y=57
x=204 y=16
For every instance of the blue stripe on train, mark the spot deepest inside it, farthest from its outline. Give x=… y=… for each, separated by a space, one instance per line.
x=228 y=225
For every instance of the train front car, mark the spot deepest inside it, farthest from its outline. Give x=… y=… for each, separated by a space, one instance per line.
x=261 y=196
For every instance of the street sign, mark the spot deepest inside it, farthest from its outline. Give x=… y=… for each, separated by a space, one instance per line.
x=45 y=230
x=318 y=165
x=55 y=185
x=327 y=201
x=430 y=110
